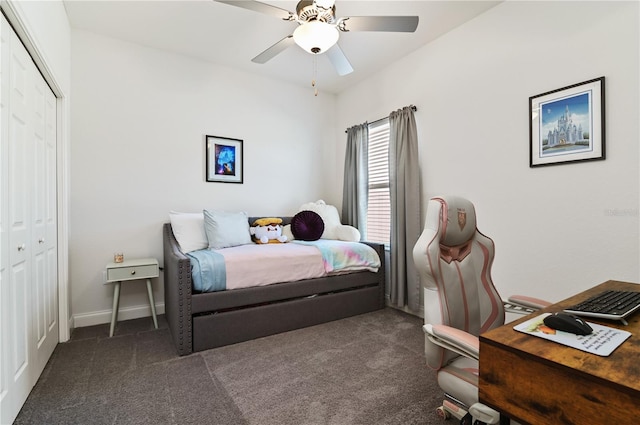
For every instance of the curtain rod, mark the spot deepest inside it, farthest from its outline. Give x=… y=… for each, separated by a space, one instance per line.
x=414 y=108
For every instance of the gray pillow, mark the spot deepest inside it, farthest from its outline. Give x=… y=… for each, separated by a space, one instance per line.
x=226 y=229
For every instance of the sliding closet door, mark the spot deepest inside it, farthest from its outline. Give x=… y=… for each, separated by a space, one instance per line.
x=43 y=219
x=5 y=395
x=16 y=289
x=28 y=284
x=8 y=386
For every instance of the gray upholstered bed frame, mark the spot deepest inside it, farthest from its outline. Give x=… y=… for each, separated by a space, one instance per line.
x=199 y=321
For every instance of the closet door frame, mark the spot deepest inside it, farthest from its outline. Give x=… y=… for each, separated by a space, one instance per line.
x=26 y=35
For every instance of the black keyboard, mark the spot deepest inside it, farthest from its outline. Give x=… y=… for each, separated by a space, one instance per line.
x=608 y=305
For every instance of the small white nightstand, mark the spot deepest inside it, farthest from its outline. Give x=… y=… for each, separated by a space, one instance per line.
x=144 y=268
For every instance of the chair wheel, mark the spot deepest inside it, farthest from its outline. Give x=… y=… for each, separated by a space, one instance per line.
x=442 y=412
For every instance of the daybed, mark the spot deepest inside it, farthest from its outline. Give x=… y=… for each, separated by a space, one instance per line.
x=200 y=321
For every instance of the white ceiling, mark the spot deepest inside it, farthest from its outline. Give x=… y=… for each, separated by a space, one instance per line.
x=232 y=36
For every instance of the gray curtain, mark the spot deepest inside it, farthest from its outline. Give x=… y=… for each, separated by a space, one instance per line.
x=404 y=189
x=356 y=178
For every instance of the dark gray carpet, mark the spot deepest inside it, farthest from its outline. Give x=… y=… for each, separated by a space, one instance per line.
x=367 y=369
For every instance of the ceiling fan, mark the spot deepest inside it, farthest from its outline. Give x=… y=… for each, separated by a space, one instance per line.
x=319 y=29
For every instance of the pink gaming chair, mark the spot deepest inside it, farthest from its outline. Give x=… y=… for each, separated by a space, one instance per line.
x=460 y=302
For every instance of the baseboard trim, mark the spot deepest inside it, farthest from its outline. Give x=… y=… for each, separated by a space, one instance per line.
x=136 y=312
x=104 y=316
x=419 y=313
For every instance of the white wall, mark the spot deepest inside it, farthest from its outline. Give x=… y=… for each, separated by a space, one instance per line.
x=139 y=120
x=558 y=229
x=140 y=116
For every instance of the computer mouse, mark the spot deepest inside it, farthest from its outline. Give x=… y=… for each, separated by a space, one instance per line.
x=568 y=323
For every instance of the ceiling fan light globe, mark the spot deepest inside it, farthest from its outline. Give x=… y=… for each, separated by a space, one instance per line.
x=316 y=37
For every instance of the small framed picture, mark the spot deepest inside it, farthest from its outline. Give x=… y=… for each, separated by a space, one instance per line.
x=224 y=159
x=567 y=124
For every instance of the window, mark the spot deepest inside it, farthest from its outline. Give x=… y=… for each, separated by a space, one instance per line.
x=379 y=211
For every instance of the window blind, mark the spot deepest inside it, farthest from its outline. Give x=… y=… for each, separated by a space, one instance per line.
x=379 y=210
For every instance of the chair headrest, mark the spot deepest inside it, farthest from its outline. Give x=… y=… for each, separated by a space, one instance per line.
x=458 y=218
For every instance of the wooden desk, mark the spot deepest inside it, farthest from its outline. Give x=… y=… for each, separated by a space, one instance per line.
x=537 y=381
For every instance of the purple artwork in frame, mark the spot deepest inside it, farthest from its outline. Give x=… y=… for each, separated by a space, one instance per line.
x=224 y=159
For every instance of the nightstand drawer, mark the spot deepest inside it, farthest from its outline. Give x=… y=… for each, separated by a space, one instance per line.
x=132 y=272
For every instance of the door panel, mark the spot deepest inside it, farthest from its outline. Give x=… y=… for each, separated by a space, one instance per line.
x=18 y=354
x=28 y=249
x=6 y=397
x=44 y=223
x=51 y=218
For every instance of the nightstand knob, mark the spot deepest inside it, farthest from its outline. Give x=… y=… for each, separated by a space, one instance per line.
x=41 y=240
x=22 y=247
x=133 y=272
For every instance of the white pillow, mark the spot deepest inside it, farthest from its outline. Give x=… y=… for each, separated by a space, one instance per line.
x=329 y=215
x=286 y=231
x=333 y=228
x=226 y=229
x=348 y=233
x=188 y=229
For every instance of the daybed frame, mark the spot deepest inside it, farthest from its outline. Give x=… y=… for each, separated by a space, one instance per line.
x=200 y=321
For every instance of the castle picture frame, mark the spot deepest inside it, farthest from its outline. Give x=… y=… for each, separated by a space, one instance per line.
x=567 y=124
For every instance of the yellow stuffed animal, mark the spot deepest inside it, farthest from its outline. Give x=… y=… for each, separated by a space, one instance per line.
x=268 y=230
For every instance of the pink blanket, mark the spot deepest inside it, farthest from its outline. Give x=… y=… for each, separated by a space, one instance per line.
x=278 y=263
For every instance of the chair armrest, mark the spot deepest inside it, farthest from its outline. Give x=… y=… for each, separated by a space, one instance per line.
x=523 y=304
x=453 y=339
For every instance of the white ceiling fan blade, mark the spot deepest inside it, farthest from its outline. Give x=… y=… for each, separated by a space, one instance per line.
x=339 y=60
x=256 y=6
x=379 y=23
x=274 y=50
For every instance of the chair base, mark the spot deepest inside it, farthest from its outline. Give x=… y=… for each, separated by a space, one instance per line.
x=450 y=409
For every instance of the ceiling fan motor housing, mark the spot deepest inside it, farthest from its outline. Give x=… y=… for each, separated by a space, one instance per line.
x=308 y=11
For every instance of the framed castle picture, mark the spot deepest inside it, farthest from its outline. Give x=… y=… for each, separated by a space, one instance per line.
x=224 y=159
x=567 y=124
